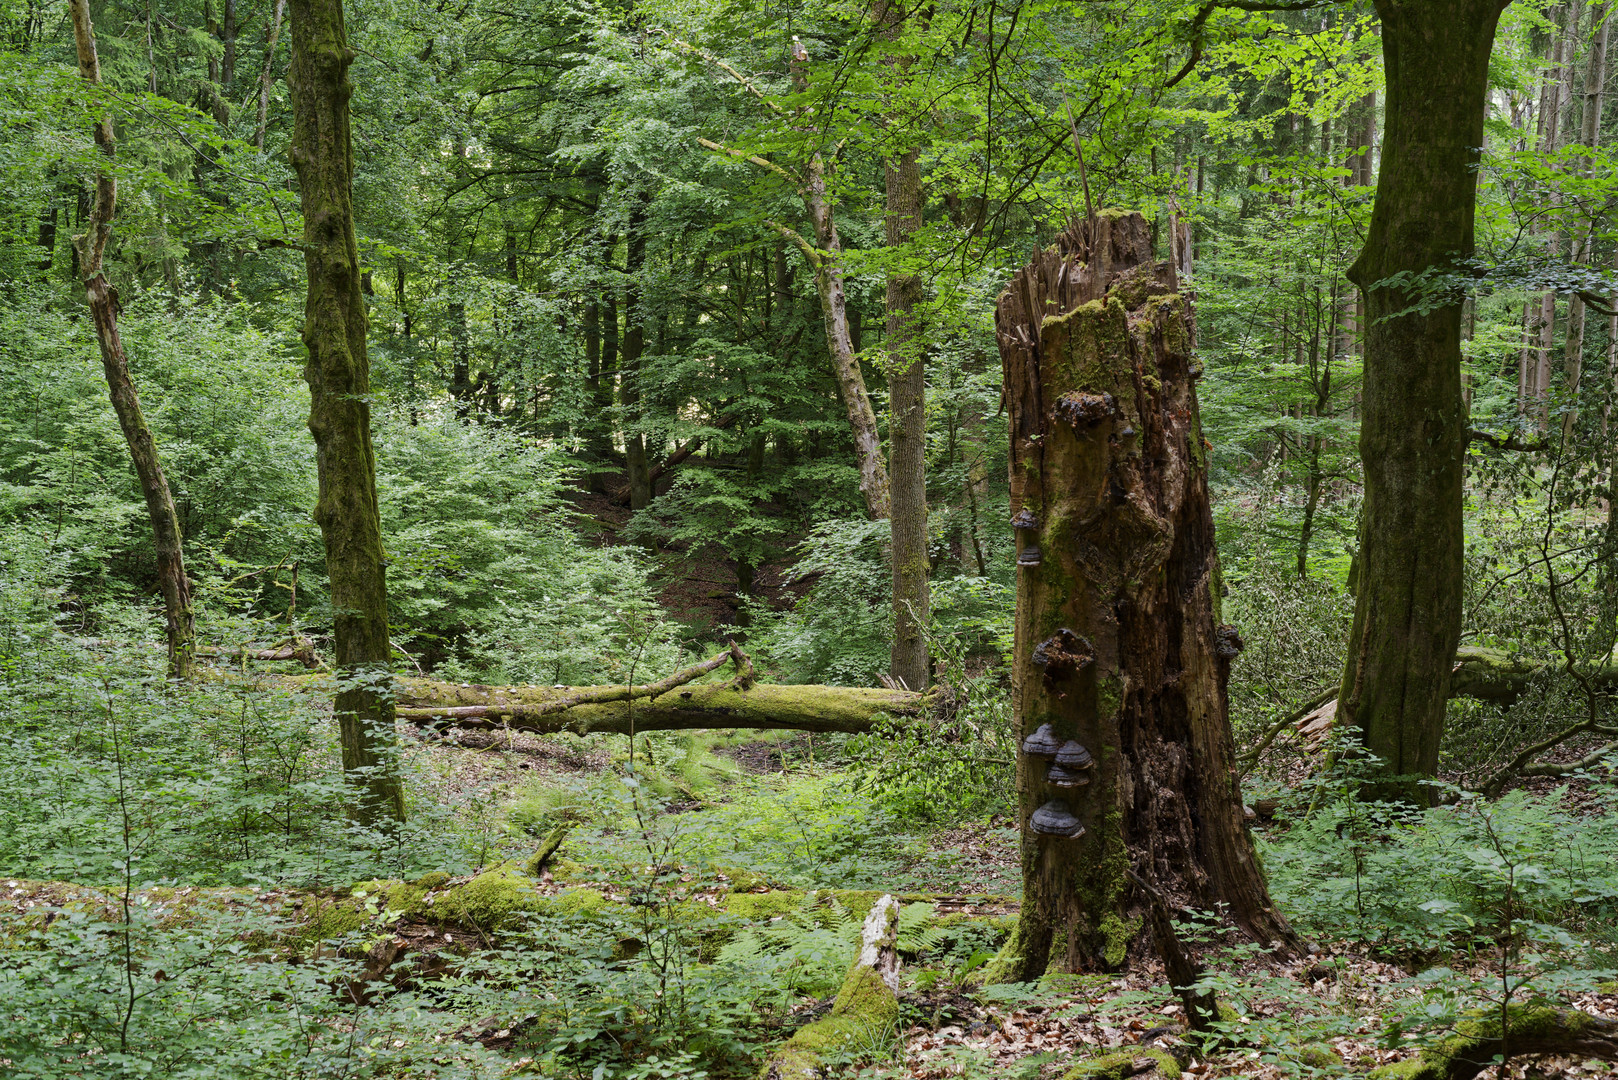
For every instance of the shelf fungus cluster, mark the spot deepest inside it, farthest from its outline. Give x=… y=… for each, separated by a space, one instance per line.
x=1026 y=526
x=1069 y=768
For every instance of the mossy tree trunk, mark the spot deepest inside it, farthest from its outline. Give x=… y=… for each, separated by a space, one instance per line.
x=103 y=302
x=1118 y=642
x=1407 y=612
x=338 y=373
x=907 y=400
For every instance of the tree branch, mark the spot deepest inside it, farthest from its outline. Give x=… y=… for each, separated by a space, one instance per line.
x=1199 y=25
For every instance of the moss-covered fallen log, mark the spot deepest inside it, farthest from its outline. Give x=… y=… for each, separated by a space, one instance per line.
x=1529 y=1029
x=701 y=705
x=1502 y=677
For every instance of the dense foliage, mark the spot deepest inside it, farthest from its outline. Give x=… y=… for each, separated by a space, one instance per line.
x=609 y=438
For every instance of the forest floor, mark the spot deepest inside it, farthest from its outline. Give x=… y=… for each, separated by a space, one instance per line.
x=1323 y=1015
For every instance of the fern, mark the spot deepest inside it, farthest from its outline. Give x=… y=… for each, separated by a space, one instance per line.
x=919 y=933
x=809 y=948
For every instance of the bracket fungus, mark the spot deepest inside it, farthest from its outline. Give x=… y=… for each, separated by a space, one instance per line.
x=1027 y=527
x=1042 y=743
x=1063 y=654
x=1228 y=644
x=1063 y=776
x=1085 y=410
x=1055 y=819
x=1073 y=755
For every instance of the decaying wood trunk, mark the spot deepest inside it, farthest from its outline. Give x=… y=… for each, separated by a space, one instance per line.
x=1120 y=670
x=103 y=300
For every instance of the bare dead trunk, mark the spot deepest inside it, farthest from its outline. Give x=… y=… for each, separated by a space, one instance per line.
x=103 y=301
x=1120 y=666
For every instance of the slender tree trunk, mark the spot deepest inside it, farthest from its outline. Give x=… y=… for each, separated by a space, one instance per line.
x=460 y=378
x=1407 y=613
x=1119 y=656
x=103 y=300
x=338 y=373
x=1535 y=381
x=227 y=67
x=640 y=474
x=827 y=265
x=266 y=78
x=826 y=259
x=1595 y=79
x=907 y=404
x=907 y=434
x=48 y=217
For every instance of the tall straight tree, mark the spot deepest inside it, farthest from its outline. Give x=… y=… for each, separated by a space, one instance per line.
x=1407 y=613
x=907 y=401
x=103 y=301
x=338 y=373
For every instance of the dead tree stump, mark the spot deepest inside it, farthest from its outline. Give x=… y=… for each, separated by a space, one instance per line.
x=1119 y=679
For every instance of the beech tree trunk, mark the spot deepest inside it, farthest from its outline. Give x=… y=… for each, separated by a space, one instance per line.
x=103 y=301
x=1407 y=612
x=1118 y=642
x=338 y=373
x=640 y=479
x=907 y=407
x=1595 y=81
x=907 y=432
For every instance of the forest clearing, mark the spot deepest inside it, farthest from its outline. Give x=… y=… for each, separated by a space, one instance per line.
x=646 y=541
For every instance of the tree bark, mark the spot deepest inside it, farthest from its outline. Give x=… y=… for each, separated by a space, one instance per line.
x=103 y=301
x=338 y=373
x=907 y=405
x=907 y=433
x=1118 y=645
x=1407 y=613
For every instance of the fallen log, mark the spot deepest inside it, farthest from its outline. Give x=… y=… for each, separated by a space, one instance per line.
x=1492 y=675
x=1501 y=677
x=708 y=705
x=1534 y=1028
x=303 y=651
x=676 y=703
